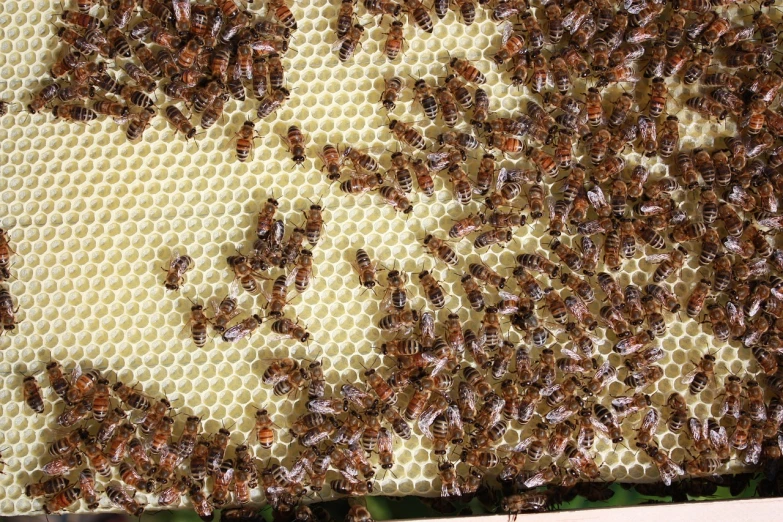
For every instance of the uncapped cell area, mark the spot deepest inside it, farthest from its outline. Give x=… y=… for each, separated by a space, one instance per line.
x=384 y=248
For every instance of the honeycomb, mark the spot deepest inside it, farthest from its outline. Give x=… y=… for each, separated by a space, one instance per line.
x=93 y=217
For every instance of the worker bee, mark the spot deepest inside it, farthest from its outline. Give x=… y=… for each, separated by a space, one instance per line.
x=667 y=469
x=63 y=464
x=701 y=375
x=467 y=71
x=32 y=394
x=407 y=134
x=272 y=101
x=346 y=46
x=243 y=329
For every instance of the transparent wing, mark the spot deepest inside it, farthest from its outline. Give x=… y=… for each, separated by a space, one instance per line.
x=508 y=30
x=605 y=372
x=719 y=438
x=336 y=45
x=696 y=429
x=539 y=479
x=622 y=402
x=596 y=197
x=508 y=295
x=733 y=245
x=571 y=354
x=559 y=414
x=650 y=421
x=688 y=377
x=658 y=258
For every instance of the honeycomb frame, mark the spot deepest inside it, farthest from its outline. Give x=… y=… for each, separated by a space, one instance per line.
x=93 y=217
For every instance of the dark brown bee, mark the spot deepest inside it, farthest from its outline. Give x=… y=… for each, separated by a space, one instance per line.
x=241 y=330
x=701 y=375
x=707 y=108
x=273 y=101
x=346 y=46
x=432 y=289
x=179 y=121
x=32 y=394
x=75 y=113
x=345 y=17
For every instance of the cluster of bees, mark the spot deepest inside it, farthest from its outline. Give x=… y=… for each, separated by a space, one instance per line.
x=461 y=382
x=119 y=430
x=613 y=211
x=205 y=53
x=271 y=250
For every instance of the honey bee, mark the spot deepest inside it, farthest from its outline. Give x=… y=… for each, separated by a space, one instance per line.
x=701 y=375
x=62 y=465
x=272 y=101
x=32 y=394
x=355 y=489
x=345 y=17
x=347 y=45
x=62 y=500
x=243 y=329
x=407 y=134
x=47 y=488
x=667 y=469
x=288 y=329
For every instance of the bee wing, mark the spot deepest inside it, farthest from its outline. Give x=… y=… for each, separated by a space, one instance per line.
x=575 y=461
x=559 y=414
x=605 y=372
x=688 y=378
x=571 y=354
x=233 y=289
x=174 y=257
x=550 y=203
x=581 y=439
x=76 y=372
x=214 y=304
x=386 y=302
x=554 y=328
x=719 y=438
x=696 y=429
x=669 y=470
x=758 y=267
x=596 y=197
x=454 y=419
x=653 y=354
x=385 y=441
x=549 y=390
x=657 y=258
x=508 y=30
x=733 y=245
x=622 y=402
x=598 y=425
x=773 y=222
x=752 y=453
x=436 y=157
x=425 y=421
x=336 y=45
x=650 y=421
x=508 y=295
x=503 y=176
x=539 y=479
